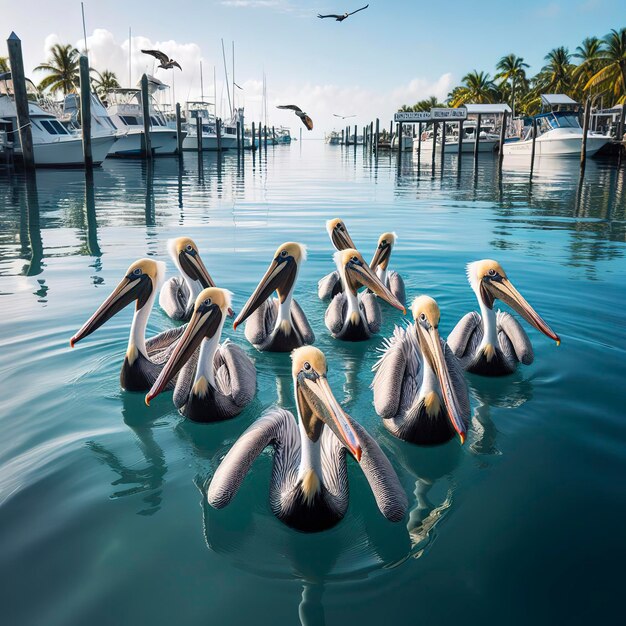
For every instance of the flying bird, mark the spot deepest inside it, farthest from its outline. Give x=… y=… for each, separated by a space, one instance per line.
x=306 y=120
x=343 y=117
x=165 y=62
x=341 y=18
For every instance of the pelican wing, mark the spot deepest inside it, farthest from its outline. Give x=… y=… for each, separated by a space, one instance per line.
x=301 y=323
x=261 y=323
x=184 y=381
x=175 y=64
x=398 y=376
x=173 y=298
x=331 y=15
x=276 y=427
x=307 y=121
x=361 y=9
x=329 y=286
x=390 y=497
x=466 y=335
x=372 y=312
x=157 y=54
x=161 y=346
x=335 y=314
x=513 y=340
x=457 y=380
x=235 y=373
x=396 y=286
x=291 y=107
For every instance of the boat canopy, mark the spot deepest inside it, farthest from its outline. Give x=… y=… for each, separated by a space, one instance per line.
x=557 y=99
x=487 y=109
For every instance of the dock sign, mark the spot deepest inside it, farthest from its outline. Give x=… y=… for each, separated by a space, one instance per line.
x=434 y=115
x=412 y=116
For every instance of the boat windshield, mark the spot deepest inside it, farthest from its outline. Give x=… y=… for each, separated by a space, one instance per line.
x=564 y=120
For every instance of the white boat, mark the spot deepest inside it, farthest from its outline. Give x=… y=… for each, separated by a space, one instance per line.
x=407 y=143
x=124 y=108
x=487 y=140
x=200 y=109
x=558 y=134
x=53 y=143
x=333 y=138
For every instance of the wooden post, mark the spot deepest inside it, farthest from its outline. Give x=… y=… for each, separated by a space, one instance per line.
x=505 y=116
x=199 y=134
x=477 y=137
x=583 y=147
x=260 y=135
x=253 y=138
x=443 y=141
x=85 y=110
x=532 y=150
x=179 y=130
x=342 y=137
x=355 y=138
x=620 y=125
x=419 y=141
x=218 y=130
x=435 y=129
x=460 y=147
x=14 y=46
x=145 y=108
x=377 y=136
x=265 y=137
x=399 y=143
x=372 y=136
x=238 y=138
x=273 y=136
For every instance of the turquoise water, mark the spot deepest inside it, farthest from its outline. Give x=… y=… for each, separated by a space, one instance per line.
x=101 y=517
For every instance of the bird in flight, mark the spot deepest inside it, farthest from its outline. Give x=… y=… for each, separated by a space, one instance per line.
x=343 y=117
x=306 y=120
x=165 y=62
x=341 y=18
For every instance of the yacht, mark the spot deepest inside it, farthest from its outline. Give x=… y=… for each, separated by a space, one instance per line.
x=487 y=140
x=333 y=138
x=123 y=107
x=54 y=144
x=200 y=109
x=283 y=135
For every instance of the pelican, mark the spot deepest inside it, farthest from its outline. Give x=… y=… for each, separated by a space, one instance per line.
x=179 y=293
x=419 y=387
x=144 y=359
x=351 y=316
x=277 y=325
x=218 y=382
x=380 y=264
x=492 y=344
x=329 y=286
x=309 y=484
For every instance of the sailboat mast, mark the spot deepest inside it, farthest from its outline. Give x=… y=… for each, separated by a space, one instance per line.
x=234 y=105
x=214 y=91
x=130 y=52
x=201 y=84
x=230 y=106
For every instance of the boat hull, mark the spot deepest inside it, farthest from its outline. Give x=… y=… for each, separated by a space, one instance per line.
x=556 y=144
x=209 y=143
x=129 y=144
x=69 y=153
x=484 y=145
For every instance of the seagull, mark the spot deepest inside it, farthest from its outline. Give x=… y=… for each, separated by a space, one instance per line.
x=341 y=18
x=165 y=62
x=343 y=117
x=306 y=120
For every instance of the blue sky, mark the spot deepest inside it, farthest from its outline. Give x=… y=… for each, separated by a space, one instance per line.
x=392 y=53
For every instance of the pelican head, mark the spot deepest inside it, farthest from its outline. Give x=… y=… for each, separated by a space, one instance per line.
x=383 y=251
x=339 y=235
x=184 y=253
x=357 y=274
x=210 y=310
x=316 y=403
x=280 y=277
x=141 y=281
x=489 y=281
x=426 y=315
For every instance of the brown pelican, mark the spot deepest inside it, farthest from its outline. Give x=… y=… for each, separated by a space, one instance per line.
x=329 y=286
x=304 y=118
x=492 y=344
x=217 y=382
x=277 y=325
x=144 y=359
x=164 y=60
x=380 y=263
x=179 y=293
x=351 y=316
x=309 y=484
x=419 y=387
x=343 y=16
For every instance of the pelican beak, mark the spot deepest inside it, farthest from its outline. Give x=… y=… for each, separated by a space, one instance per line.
x=192 y=265
x=430 y=343
x=363 y=275
x=503 y=289
x=381 y=257
x=341 y=239
x=204 y=322
x=131 y=288
x=279 y=277
x=318 y=405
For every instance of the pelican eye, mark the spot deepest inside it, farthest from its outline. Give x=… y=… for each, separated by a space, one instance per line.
x=423 y=317
x=189 y=247
x=355 y=259
x=383 y=243
x=137 y=271
x=207 y=302
x=306 y=366
x=283 y=253
x=492 y=272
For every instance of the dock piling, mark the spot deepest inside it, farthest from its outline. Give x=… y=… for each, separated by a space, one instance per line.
x=477 y=137
x=419 y=141
x=443 y=142
x=460 y=146
x=583 y=147
x=85 y=109
x=179 y=131
x=218 y=132
x=145 y=108
x=342 y=137
x=434 y=152
x=199 y=134
x=505 y=116
x=238 y=138
x=260 y=136
x=253 y=138
x=532 y=149
x=399 y=144
x=377 y=137
x=16 y=61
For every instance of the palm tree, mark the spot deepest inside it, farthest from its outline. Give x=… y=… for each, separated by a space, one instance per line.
x=62 y=68
x=512 y=68
x=105 y=81
x=4 y=64
x=556 y=75
x=613 y=75
x=423 y=105
x=477 y=87
x=589 y=53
